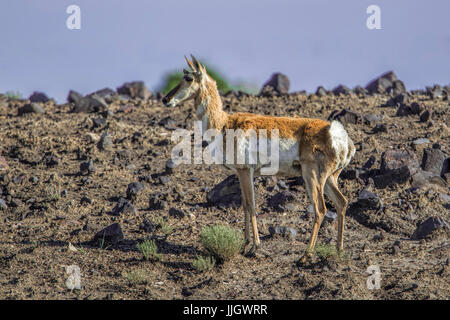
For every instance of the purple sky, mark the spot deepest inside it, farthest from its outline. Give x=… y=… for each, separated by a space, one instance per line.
x=314 y=42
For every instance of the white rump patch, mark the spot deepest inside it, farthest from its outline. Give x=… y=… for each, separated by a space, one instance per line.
x=340 y=143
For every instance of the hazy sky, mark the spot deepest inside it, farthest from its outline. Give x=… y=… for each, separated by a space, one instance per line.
x=314 y=42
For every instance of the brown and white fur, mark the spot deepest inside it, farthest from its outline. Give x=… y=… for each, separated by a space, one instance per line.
x=313 y=148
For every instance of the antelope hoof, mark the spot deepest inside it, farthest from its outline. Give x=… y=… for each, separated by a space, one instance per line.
x=252 y=251
x=246 y=244
x=305 y=259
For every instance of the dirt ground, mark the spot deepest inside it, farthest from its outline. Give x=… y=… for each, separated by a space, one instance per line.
x=51 y=211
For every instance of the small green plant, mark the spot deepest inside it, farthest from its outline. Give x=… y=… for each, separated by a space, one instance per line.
x=326 y=251
x=163 y=226
x=204 y=263
x=101 y=243
x=53 y=194
x=149 y=250
x=222 y=242
x=13 y=95
x=136 y=277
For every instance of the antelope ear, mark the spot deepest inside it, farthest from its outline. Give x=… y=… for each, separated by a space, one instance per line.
x=190 y=64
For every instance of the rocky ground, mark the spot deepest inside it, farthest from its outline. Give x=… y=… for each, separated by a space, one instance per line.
x=68 y=171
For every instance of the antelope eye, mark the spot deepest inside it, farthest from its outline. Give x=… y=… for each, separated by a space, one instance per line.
x=188 y=78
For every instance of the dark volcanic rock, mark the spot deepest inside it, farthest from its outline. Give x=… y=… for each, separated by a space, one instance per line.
x=124 y=206
x=278 y=82
x=87 y=167
x=397 y=166
x=429 y=226
x=341 y=89
x=177 y=213
x=416 y=108
x=380 y=127
x=346 y=116
x=135 y=89
x=147 y=226
x=382 y=84
x=369 y=200
x=168 y=123
x=398 y=87
x=88 y=104
x=286 y=232
x=31 y=108
x=425 y=178
x=226 y=193
x=157 y=201
x=320 y=92
x=360 y=90
x=134 y=189
x=104 y=93
x=109 y=235
x=105 y=142
x=3 y=205
x=38 y=97
x=394 y=160
x=170 y=166
x=435 y=92
x=426 y=115
x=372 y=118
x=403 y=111
x=280 y=200
x=74 y=96
x=433 y=161
x=387 y=83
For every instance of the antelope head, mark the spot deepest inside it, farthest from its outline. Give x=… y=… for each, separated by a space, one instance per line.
x=189 y=86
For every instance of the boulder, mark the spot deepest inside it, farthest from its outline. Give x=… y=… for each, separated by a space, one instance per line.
x=397 y=167
x=226 y=193
x=157 y=201
x=280 y=200
x=278 y=82
x=429 y=226
x=31 y=108
x=320 y=92
x=124 y=206
x=346 y=116
x=289 y=233
x=134 y=189
x=38 y=97
x=433 y=161
x=110 y=235
x=384 y=84
x=74 y=96
x=135 y=89
x=89 y=104
x=341 y=89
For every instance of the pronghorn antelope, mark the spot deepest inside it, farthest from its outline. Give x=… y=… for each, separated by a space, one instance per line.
x=313 y=148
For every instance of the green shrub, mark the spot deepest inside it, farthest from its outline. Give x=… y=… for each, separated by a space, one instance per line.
x=204 y=263
x=326 y=251
x=13 y=95
x=149 y=250
x=136 y=277
x=164 y=227
x=222 y=242
x=173 y=78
